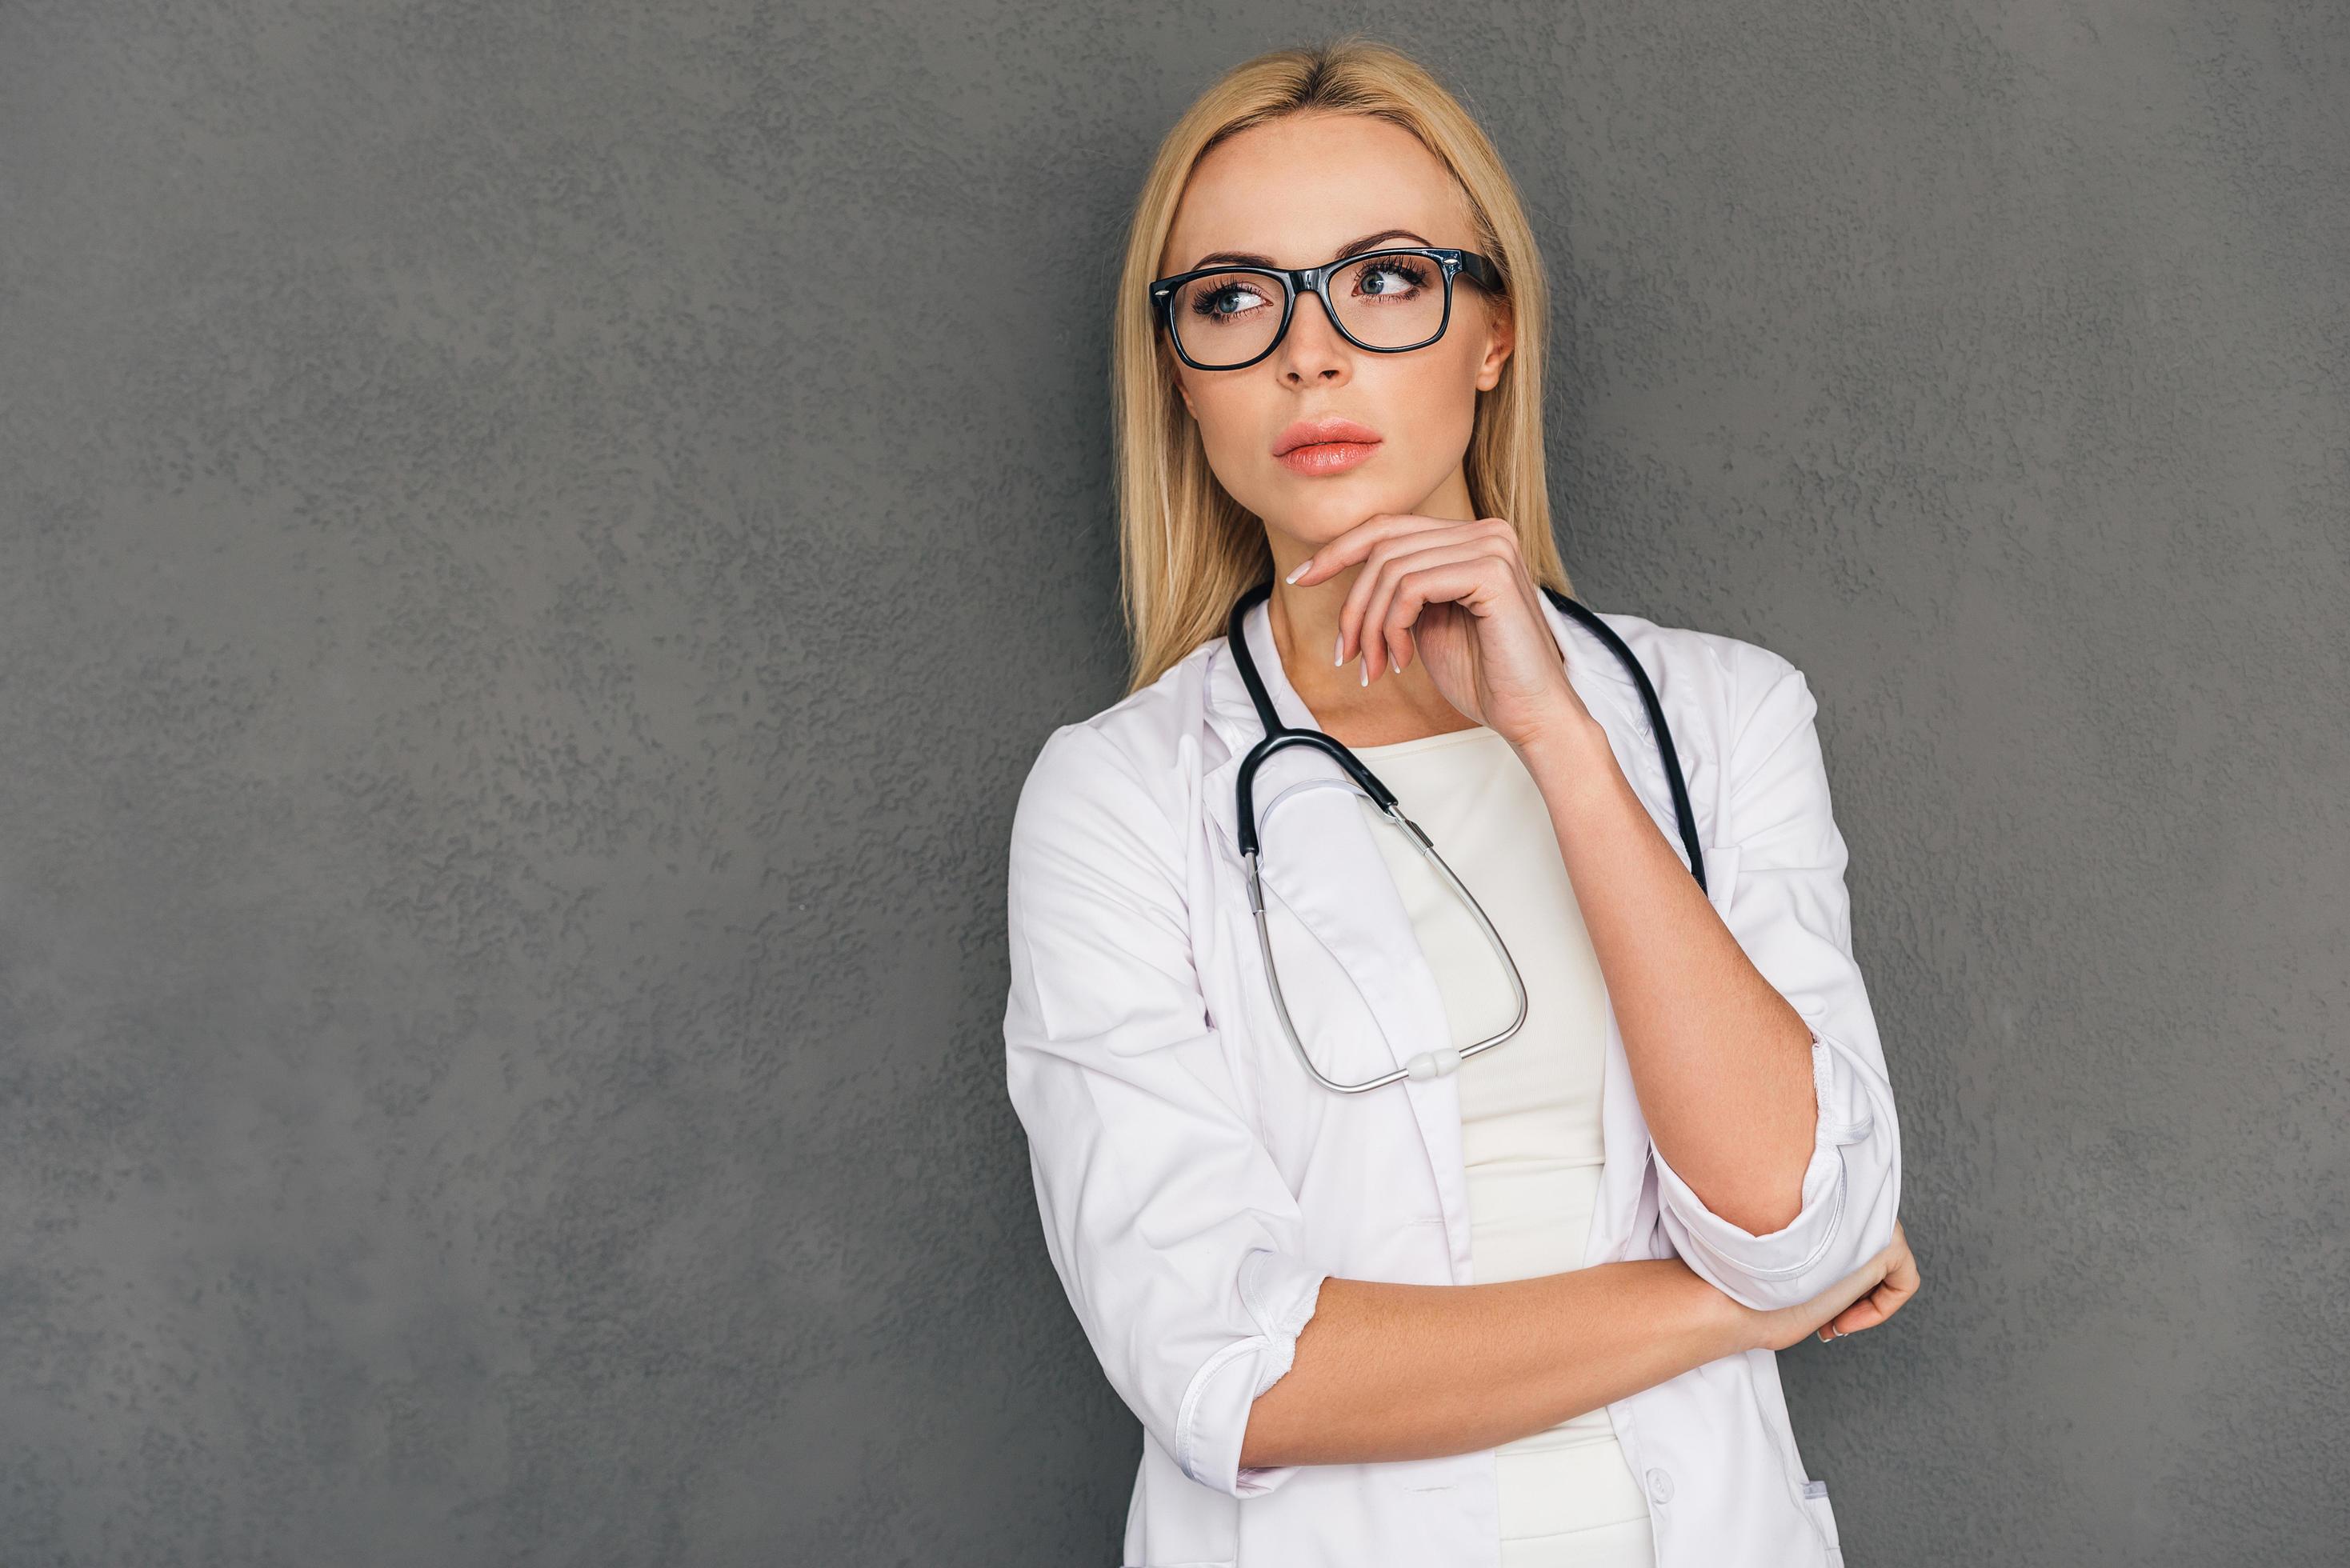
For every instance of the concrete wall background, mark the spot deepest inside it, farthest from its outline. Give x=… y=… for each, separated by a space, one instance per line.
x=527 y=592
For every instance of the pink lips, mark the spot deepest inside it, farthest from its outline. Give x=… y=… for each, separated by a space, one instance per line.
x=1326 y=445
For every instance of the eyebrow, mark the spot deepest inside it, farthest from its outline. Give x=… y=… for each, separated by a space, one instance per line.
x=1352 y=247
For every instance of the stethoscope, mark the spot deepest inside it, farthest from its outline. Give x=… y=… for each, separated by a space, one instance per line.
x=1426 y=1063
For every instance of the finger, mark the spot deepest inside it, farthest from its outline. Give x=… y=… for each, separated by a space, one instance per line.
x=1501 y=541
x=1892 y=1296
x=1357 y=544
x=1334 y=555
x=1888 y=1296
x=1871 y=1310
x=1381 y=630
x=1850 y=1321
x=1852 y=1288
x=1901 y=1277
x=1352 y=615
x=1472 y=574
x=1861 y=1314
x=1401 y=541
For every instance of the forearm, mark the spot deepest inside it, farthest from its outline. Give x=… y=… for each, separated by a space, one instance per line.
x=1721 y=1064
x=1387 y=1371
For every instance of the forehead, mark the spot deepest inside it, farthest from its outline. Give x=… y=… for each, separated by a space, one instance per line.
x=1297 y=188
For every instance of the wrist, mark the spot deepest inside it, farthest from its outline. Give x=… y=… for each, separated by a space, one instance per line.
x=1569 y=751
x=1718 y=1324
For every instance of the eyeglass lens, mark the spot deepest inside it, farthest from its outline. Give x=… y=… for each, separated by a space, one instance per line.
x=1386 y=302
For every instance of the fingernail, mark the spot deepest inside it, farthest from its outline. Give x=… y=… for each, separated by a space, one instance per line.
x=1300 y=571
x=1338 y=651
x=1366 y=672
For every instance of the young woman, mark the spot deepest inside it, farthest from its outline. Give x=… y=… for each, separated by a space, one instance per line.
x=1473 y=1241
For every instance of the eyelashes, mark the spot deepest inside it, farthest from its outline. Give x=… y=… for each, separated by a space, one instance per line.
x=1413 y=273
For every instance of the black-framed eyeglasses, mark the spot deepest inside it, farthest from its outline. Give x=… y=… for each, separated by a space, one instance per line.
x=1388 y=301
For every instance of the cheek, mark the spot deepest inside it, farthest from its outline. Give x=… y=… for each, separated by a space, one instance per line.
x=1229 y=417
x=1431 y=400
x=1450 y=373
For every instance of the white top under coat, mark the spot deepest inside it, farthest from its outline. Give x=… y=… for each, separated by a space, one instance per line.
x=1531 y=1137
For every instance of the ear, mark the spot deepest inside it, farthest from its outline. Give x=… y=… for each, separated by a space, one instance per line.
x=1500 y=339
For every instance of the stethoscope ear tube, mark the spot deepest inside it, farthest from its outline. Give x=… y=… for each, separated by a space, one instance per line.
x=1278 y=734
x=1381 y=796
x=1684 y=818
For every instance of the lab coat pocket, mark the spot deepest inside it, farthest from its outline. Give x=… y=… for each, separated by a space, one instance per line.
x=1816 y=1503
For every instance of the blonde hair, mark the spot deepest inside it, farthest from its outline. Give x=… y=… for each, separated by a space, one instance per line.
x=1187 y=549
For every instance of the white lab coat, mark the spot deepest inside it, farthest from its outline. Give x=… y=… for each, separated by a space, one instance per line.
x=1196 y=1186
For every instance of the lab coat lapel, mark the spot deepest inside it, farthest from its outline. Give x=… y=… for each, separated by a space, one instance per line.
x=1319 y=858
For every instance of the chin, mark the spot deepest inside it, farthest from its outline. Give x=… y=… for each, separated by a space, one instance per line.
x=1329 y=507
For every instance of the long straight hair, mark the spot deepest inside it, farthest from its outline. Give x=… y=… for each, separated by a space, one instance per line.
x=1187 y=549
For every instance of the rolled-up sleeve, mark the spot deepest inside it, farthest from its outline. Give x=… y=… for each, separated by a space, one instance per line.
x=1789 y=909
x=1180 y=1246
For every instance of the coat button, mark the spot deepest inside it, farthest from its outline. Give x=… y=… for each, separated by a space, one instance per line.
x=1660 y=1486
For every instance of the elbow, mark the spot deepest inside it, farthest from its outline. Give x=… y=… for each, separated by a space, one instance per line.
x=1845 y=1220
x=1761 y=1214
x=1849 y=1197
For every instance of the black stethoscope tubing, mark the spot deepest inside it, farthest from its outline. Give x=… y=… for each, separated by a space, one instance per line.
x=1278 y=734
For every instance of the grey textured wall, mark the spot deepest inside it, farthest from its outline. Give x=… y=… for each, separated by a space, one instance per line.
x=537 y=544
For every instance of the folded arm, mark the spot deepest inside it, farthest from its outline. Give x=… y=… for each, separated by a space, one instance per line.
x=1748 y=1027
x=1392 y=1371
x=1181 y=1248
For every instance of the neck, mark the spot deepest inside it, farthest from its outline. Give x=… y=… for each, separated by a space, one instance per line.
x=1399 y=705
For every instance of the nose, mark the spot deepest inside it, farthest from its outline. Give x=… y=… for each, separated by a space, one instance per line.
x=1311 y=350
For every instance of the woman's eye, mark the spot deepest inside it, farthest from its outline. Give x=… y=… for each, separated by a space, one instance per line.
x=1230 y=300
x=1391 y=277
